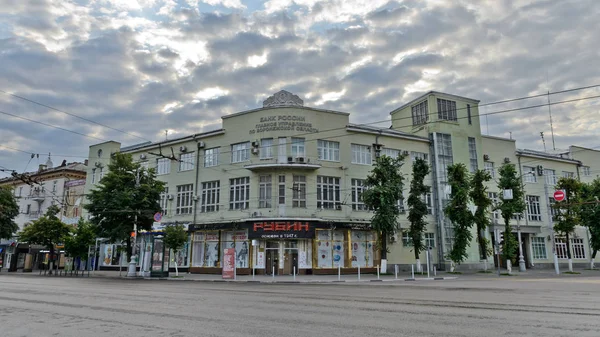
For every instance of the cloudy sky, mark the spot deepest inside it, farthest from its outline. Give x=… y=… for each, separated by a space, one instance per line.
x=143 y=66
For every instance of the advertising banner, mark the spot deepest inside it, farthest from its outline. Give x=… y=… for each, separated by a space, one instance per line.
x=229 y=263
x=281 y=230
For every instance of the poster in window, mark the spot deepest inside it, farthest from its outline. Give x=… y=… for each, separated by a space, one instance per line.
x=108 y=251
x=228 y=271
x=338 y=249
x=358 y=244
x=302 y=260
x=324 y=249
x=211 y=255
x=157 y=256
x=260 y=260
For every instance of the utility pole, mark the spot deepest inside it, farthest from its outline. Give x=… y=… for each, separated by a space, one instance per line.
x=555 y=257
x=131 y=272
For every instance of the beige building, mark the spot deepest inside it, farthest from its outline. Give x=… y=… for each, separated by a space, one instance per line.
x=281 y=185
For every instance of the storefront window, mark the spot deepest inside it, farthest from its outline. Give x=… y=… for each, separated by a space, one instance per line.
x=239 y=241
x=206 y=249
x=157 y=256
x=111 y=254
x=182 y=256
x=304 y=254
x=324 y=251
x=362 y=248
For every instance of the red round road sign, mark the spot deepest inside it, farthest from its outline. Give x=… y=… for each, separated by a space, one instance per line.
x=559 y=195
x=157 y=217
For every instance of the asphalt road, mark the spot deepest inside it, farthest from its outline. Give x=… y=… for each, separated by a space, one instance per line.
x=40 y=306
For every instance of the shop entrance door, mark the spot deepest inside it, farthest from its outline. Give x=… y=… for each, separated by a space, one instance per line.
x=290 y=262
x=272 y=257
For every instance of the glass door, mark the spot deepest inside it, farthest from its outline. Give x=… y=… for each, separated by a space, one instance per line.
x=272 y=255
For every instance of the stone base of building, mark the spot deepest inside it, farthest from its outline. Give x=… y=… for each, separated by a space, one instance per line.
x=564 y=266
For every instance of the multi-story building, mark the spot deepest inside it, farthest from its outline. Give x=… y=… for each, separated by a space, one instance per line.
x=62 y=186
x=282 y=185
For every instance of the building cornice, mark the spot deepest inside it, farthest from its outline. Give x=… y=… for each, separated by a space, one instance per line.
x=520 y=153
x=196 y=136
x=385 y=132
x=285 y=107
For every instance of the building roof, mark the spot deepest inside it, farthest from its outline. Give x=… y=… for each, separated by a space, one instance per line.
x=385 y=131
x=150 y=145
x=432 y=92
x=545 y=155
x=71 y=167
x=499 y=138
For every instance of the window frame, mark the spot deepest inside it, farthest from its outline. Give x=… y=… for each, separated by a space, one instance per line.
x=266 y=150
x=473 y=160
x=185 y=200
x=265 y=191
x=328 y=192
x=298 y=147
x=299 y=191
x=240 y=152
x=538 y=246
x=420 y=113
x=358 y=188
x=163 y=166
x=164 y=201
x=361 y=154
x=213 y=155
x=529 y=177
x=211 y=196
x=327 y=149
x=447 y=110
x=534 y=209
x=489 y=167
x=186 y=165
x=239 y=193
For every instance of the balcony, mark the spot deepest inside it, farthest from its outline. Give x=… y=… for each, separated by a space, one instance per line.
x=37 y=195
x=287 y=162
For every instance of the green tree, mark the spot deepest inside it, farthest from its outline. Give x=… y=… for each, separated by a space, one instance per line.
x=48 y=231
x=417 y=207
x=9 y=210
x=127 y=194
x=569 y=211
x=479 y=195
x=78 y=243
x=509 y=180
x=384 y=187
x=175 y=239
x=590 y=215
x=458 y=211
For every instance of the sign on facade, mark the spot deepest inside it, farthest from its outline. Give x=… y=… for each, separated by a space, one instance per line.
x=229 y=263
x=282 y=230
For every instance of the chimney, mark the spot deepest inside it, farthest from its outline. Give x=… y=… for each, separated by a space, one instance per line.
x=42 y=167
x=85 y=162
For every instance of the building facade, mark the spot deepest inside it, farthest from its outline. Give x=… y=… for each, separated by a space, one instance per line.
x=35 y=192
x=282 y=185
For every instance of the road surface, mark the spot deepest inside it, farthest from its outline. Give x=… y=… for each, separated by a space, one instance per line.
x=510 y=306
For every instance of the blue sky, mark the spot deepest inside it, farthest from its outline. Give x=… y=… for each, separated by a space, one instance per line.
x=180 y=65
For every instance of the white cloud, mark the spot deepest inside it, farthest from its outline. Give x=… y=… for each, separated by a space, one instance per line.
x=225 y=3
x=211 y=93
x=330 y=97
x=257 y=60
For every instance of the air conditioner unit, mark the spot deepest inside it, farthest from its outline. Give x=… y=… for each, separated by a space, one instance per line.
x=338 y=207
x=405 y=153
x=300 y=160
x=201 y=144
x=255 y=143
x=290 y=159
x=394 y=238
x=196 y=198
x=182 y=148
x=170 y=197
x=254 y=150
x=486 y=157
x=506 y=160
x=256 y=214
x=142 y=156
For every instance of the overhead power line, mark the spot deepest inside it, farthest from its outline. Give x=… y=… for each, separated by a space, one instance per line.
x=73 y=115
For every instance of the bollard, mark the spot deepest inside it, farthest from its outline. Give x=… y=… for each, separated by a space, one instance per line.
x=339 y=272
x=273 y=272
x=359 y=272
x=378 y=272
x=412 y=271
x=427 y=263
x=396 y=271
x=253 y=272
x=294 y=273
x=434 y=271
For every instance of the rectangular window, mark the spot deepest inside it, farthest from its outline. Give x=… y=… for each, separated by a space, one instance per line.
x=414 y=155
x=361 y=154
x=211 y=191
x=494 y=198
x=54 y=186
x=473 y=154
x=469 y=114
x=400 y=204
x=281 y=190
x=561 y=248
x=538 y=247
x=430 y=240
x=299 y=191
x=163 y=166
x=211 y=157
x=428 y=198
x=184 y=199
x=164 y=201
x=406 y=239
x=444 y=149
x=567 y=174
x=529 y=174
x=328 y=192
x=533 y=208
x=553 y=211
x=550 y=177
x=392 y=153
x=21 y=191
x=101 y=173
x=297 y=147
x=578 y=248
x=586 y=171
x=265 y=189
x=28 y=209
x=239 y=193
x=420 y=114
x=266 y=148
x=489 y=166
x=186 y=161
x=446 y=110
x=240 y=152
x=358 y=187
x=328 y=150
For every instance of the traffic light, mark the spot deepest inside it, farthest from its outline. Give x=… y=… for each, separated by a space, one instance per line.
x=540 y=170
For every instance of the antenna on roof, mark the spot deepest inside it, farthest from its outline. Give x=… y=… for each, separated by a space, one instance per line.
x=550 y=113
x=543 y=140
x=166 y=134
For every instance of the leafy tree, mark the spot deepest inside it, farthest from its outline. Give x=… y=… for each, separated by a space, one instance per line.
x=175 y=239
x=126 y=194
x=590 y=215
x=384 y=187
x=479 y=195
x=417 y=207
x=47 y=231
x=569 y=214
x=9 y=210
x=509 y=180
x=458 y=211
x=77 y=245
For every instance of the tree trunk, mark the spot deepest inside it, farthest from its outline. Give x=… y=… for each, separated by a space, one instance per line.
x=383 y=239
x=569 y=253
x=482 y=247
x=592 y=262
x=129 y=255
x=175 y=260
x=51 y=260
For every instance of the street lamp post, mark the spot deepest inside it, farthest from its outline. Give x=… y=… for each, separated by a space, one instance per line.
x=131 y=271
x=522 y=267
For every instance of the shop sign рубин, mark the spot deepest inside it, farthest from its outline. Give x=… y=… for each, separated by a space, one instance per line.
x=281 y=230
